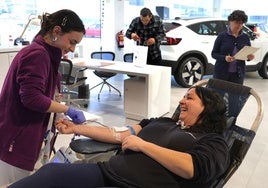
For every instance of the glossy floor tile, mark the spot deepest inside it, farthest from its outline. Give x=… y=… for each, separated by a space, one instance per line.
x=252 y=172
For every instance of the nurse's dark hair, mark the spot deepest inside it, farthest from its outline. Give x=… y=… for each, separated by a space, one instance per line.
x=66 y=19
x=213 y=117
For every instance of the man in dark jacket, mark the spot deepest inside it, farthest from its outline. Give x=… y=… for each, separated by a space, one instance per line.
x=148 y=30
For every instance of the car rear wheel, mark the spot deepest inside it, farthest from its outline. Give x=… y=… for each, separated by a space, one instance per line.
x=190 y=71
x=263 y=72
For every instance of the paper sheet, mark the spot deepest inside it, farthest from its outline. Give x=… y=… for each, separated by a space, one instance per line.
x=140 y=56
x=244 y=52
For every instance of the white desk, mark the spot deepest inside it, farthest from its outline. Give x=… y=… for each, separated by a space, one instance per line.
x=145 y=96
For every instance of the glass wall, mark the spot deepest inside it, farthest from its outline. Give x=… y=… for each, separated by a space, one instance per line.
x=14 y=14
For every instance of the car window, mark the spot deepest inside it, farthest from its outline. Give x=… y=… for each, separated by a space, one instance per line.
x=205 y=29
x=219 y=27
x=249 y=32
x=251 y=26
x=208 y=28
x=170 y=25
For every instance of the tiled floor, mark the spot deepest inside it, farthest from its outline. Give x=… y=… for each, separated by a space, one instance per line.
x=252 y=172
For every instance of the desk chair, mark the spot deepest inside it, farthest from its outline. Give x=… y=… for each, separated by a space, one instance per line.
x=238 y=138
x=106 y=55
x=128 y=57
x=69 y=82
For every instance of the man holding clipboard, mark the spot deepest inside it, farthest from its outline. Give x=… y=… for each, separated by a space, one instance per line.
x=231 y=49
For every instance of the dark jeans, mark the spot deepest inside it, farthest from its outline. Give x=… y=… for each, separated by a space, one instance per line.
x=230 y=76
x=156 y=61
x=56 y=175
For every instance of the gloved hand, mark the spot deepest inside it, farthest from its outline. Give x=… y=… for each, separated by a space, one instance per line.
x=76 y=115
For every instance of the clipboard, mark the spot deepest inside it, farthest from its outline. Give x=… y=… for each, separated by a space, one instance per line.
x=244 y=52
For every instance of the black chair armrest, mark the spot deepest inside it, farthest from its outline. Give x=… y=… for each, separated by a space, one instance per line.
x=90 y=146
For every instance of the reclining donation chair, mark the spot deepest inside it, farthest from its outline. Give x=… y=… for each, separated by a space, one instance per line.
x=239 y=138
x=106 y=55
x=69 y=81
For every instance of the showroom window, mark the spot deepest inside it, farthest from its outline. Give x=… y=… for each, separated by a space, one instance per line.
x=14 y=14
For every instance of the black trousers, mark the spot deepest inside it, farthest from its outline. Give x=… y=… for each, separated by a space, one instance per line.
x=230 y=76
x=156 y=61
x=58 y=175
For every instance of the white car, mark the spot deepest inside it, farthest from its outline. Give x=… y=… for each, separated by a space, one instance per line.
x=188 y=45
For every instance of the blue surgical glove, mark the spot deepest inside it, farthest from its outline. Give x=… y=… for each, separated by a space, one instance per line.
x=76 y=115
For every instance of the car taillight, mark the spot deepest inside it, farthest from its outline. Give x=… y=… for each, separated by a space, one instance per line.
x=170 y=41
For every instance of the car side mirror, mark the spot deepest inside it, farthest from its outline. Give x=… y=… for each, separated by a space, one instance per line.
x=253 y=36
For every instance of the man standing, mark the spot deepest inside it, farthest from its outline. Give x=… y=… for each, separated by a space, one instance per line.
x=148 y=30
